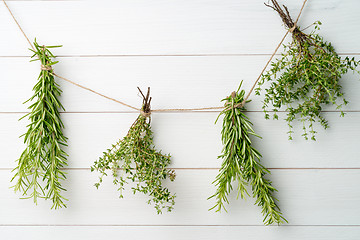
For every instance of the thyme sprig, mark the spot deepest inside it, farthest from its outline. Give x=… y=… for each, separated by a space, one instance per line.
x=305 y=78
x=241 y=162
x=135 y=159
x=39 y=172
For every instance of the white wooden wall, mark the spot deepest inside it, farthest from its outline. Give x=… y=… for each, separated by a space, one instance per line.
x=191 y=53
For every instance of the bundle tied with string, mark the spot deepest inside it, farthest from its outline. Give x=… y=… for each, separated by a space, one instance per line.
x=305 y=78
x=145 y=110
x=241 y=162
x=39 y=172
x=135 y=159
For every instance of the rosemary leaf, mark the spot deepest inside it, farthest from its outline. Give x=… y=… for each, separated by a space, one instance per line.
x=39 y=173
x=241 y=162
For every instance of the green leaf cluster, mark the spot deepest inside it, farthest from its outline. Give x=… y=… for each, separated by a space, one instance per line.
x=38 y=173
x=135 y=159
x=241 y=162
x=304 y=79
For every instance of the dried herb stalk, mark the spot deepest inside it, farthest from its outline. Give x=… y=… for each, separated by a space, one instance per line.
x=241 y=162
x=305 y=78
x=39 y=174
x=135 y=159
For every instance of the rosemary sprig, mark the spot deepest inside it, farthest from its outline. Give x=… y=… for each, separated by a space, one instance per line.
x=305 y=78
x=39 y=173
x=241 y=162
x=135 y=159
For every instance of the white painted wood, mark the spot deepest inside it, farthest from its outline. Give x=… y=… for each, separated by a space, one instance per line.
x=308 y=197
x=224 y=41
x=170 y=27
x=181 y=232
x=176 y=82
x=194 y=141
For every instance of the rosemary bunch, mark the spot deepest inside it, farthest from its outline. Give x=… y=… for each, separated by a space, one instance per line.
x=241 y=162
x=39 y=173
x=135 y=159
x=305 y=78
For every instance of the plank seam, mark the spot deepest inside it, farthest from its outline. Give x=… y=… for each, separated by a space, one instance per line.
x=161 y=55
x=166 y=112
x=315 y=168
x=175 y=225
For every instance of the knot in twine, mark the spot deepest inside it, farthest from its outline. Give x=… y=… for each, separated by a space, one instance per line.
x=293 y=28
x=238 y=105
x=46 y=67
x=145 y=114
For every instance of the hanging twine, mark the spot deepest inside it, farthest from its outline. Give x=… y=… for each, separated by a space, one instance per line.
x=287 y=20
x=95 y=92
x=229 y=105
x=145 y=114
x=46 y=67
x=292 y=27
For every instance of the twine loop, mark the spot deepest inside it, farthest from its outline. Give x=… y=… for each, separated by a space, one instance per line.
x=293 y=28
x=239 y=105
x=145 y=114
x=46 y=67
x=229 y=105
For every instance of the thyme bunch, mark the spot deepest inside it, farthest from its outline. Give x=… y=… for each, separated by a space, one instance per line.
x=241 y=162
x=135 y=159
x=38 y=173
x=305 y=78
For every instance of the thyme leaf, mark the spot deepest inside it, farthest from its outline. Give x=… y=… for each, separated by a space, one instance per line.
x=135 y=159
x=305 y=78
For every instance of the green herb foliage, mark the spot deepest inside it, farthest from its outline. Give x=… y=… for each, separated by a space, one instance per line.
x=39 y=173
x=241 y=162
x=135 y=159
x=305 y=78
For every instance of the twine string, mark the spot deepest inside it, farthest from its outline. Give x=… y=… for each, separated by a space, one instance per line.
x=12 y=15
x=93 y=91
x=144 y=113
x=293 y=28
x=272 y=55
x=45 y=68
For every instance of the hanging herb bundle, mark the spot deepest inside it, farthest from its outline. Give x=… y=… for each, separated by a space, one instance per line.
x=135 y=159
x=305 y=78
x=39 y=174
x=241 y=162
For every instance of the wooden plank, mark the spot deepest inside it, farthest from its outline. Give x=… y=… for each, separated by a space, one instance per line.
x=224 y=42
x=129 y=27
x=176 y=82
x=307 y=197
x=182 y=232
x=194 y=140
